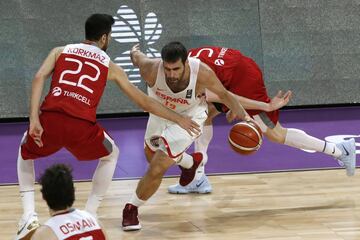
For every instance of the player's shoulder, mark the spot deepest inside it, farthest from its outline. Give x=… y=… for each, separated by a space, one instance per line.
x=44 y=233
x=205 y=72
x=58 y=49
x=204 y=68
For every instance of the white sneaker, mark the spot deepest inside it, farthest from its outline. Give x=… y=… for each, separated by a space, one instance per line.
x=27 y=226
x=348 y=156
x=197 y=186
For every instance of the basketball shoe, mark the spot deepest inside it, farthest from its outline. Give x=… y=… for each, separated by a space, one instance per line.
x=27 y=226
x=348 y=156
x=130 y=220
x=187 y=175
x=197 y=186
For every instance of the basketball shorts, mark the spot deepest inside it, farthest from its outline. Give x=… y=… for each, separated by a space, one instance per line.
x=84 y=139
x=170 y=137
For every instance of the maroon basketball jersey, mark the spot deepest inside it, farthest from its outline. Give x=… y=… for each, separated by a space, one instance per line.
x=223 y=61
x=78 y=81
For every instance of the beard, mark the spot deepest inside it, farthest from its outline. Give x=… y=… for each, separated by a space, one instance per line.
x=173 y=81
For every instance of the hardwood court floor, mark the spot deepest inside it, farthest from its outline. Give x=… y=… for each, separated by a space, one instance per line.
x=285 y=206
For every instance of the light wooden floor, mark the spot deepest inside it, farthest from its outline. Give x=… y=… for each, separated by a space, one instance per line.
x=287 y=206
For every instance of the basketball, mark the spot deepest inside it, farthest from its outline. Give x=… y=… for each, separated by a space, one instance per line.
x=245 y=137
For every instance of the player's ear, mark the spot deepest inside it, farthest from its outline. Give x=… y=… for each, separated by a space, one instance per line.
x=104 y=38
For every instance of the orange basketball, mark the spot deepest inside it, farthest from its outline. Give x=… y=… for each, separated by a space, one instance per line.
x=245 y=137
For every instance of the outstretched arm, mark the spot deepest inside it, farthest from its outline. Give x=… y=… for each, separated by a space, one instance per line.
x=277 y=102
x=38 y=82
x=149 y=104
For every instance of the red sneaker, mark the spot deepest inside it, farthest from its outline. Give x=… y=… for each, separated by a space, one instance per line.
x=187 y=175
x=130 y=218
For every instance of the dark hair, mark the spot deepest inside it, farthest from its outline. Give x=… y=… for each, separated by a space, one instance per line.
x=97 y=25
x=174 y=51
x=57 y=187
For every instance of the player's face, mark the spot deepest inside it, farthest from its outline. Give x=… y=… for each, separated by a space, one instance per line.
x=174 y=72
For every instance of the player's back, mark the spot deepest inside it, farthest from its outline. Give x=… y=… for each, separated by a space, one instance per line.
x=223 y=61
x=78 y=81
x=75 y=225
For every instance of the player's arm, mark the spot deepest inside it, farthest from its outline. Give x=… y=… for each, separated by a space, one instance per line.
x=38 y=82
x=277 y=102
x=148 y=67
x=44 y=233
x=209 y=80
x=149 y=104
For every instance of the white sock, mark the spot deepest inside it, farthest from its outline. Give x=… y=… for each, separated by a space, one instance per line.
x=186 y=161
x=26 y=177
x=101 y=180
x=136 y=201
x=299 y=139
x=201 y=145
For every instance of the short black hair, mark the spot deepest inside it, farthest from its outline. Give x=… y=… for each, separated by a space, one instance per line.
x=97 y=25
x=57 y=187
x=173 y=51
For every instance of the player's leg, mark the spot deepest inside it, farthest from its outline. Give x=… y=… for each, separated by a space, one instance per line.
x=299 y=139
x=169 y=148
x=201 y=144
x=149 y=154
x=88 y=141
x=102 y=177
x=146 y=187
x=26 y=174
x=201 y=183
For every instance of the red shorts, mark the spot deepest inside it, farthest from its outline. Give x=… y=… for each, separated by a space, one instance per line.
x=247 y=81
x=84 y=139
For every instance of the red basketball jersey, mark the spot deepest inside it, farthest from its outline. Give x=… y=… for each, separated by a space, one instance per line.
x=223 y=61
x=238 y=73
x=75 y=225
x=78 y=81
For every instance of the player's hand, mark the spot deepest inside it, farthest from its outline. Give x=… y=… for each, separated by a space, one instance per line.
x=36 y=131
x=230 y=116
x=250 y=120
x=190 y=126
x=135 y=48
x=280 y=100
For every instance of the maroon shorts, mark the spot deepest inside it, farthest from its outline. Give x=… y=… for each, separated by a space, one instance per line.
x=84 y=139
x=248 y=82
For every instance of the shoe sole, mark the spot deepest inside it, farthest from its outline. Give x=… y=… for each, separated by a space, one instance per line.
x=131 y=228
x=198 y=192
x=34 y=225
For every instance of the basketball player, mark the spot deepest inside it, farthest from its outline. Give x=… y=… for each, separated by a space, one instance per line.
x=68 y=114
x=242 y=76
x=179 y=83
x=58 y=191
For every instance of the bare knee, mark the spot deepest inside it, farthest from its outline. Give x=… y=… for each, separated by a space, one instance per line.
x=159 y=164
x=149 y=154
x=276 y=135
